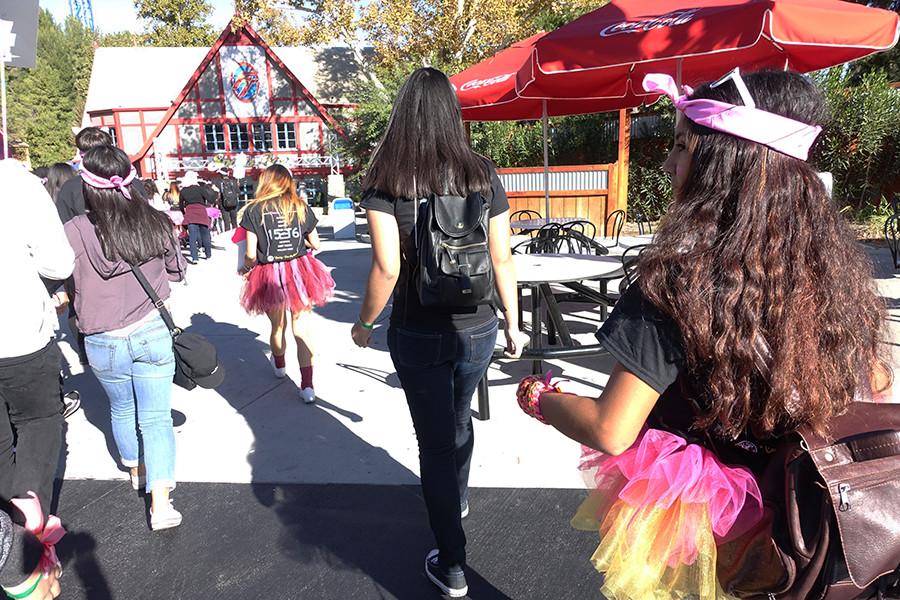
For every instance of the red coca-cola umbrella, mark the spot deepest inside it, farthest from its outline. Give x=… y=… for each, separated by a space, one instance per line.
x=607 y=51
x=491 y=90
x=597 y=62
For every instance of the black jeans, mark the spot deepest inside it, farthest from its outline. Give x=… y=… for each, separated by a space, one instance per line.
x=439 y=373
x=229 y=216
x=30 y=424
x=196 y=234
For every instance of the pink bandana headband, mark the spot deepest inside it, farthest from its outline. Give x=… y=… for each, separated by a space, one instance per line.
x=785 y=135
x=114 y=182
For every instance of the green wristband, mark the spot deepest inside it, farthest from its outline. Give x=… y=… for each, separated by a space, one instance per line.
x=27 y=592
x=366 y=325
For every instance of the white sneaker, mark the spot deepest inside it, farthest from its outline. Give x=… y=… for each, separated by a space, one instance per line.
x=280 y=372
x=139 y=481
x=308 y=395
x=166 y=518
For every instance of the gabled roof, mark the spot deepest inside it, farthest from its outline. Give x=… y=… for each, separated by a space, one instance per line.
x=150 y=77
x=242 y=34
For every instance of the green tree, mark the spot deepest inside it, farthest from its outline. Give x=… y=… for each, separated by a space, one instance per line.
x=861 y=144
x=48 y=100
x=177 y=22
x=121 y=39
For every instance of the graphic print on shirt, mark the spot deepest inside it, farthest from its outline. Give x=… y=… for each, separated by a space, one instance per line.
x=285 y=240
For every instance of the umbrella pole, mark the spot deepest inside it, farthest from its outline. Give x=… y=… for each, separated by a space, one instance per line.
x=544 y=122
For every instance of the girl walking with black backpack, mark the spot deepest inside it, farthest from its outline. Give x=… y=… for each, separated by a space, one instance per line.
x=440 y=352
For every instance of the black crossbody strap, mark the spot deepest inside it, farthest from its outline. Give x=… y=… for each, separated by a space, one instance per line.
x=159 y=304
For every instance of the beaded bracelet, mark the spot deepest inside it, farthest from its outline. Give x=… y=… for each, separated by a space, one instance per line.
x=529 y=395
x=27 y=592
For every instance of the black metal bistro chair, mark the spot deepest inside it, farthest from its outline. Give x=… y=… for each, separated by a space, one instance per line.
x=891 y=230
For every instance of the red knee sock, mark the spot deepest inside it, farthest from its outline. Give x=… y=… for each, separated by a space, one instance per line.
x=279 y=361
x=306 y=377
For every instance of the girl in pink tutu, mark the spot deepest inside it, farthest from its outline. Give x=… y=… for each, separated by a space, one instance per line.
x=281 y=274
x=755 y=313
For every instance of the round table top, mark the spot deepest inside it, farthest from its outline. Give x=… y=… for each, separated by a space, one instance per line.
x=564 y=268
x=530 y=224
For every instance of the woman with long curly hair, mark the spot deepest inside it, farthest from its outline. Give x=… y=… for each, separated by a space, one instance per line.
x=282 y=275
x=755 y=313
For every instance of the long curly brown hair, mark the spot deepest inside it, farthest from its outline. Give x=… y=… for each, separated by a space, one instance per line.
x=753 y=255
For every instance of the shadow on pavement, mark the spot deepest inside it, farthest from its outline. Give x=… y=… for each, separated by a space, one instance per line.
x=372 y=538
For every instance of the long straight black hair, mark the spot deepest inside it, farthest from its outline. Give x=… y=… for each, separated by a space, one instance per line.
x=129 y=230
x=57 y=175
x=424 y=149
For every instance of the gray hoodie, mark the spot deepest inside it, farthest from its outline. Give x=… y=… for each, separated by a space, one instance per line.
x=107 y=296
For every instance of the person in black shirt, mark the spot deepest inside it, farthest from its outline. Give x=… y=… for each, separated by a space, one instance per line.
x=194 y=198
x=228 y=200
x=282 y=274
x=70 y=201
x=440 y=354
x=754 y=313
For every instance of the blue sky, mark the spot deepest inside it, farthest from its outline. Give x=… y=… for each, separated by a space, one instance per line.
x=118 y=15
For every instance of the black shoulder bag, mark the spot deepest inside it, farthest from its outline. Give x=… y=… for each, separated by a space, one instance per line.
x=196 y=359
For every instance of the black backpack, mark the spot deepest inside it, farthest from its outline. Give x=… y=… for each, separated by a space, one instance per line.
x=454 y=266
x=229 y=193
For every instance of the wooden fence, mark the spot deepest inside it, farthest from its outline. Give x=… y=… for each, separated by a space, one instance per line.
x=588 y=192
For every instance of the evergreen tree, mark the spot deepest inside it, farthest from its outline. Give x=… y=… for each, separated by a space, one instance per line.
x=46 y=102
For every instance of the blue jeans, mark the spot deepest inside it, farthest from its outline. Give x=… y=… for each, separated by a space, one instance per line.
x=136 y=373
x=196 y=235
x=439 y=373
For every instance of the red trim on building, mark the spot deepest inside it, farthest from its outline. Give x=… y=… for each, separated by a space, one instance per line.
x=191 y=93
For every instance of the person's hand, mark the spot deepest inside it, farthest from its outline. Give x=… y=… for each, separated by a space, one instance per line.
x=47 y=588
x=515 y=343
x=360 y=335
x=60 y=301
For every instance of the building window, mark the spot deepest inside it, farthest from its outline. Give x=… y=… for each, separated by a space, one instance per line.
x=112 y=134
x=214 y=136
x=287 y=136
x=262 y=137
x=246 y=190
x=240 y=141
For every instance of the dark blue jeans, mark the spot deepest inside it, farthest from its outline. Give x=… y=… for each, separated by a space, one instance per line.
x=196 y=234
x=439 y=373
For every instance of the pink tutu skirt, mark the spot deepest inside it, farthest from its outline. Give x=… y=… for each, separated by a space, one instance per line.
x=661 y=509
x=296 y=285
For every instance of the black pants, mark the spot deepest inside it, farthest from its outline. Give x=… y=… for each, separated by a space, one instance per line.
x=30 y=424
x=439 y=373
x=229 y=216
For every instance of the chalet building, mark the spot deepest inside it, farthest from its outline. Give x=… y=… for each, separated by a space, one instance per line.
x=238 y=103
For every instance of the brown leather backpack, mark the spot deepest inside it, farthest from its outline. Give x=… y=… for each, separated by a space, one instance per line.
x=831 y=529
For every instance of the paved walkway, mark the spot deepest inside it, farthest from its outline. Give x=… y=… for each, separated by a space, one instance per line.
x=288 y=500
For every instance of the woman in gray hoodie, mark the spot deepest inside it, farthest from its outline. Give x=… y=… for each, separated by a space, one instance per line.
x=128 y=346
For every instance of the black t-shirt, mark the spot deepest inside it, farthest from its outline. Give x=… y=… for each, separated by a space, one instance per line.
x=198 y=194
x=649 y=344
x=408 y=311
x=277 y=240
x=70 y=200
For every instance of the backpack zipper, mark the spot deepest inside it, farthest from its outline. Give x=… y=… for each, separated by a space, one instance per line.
x=463 y=247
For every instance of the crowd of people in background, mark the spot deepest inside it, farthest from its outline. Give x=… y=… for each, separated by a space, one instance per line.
x=733 y=338
x=97 y=237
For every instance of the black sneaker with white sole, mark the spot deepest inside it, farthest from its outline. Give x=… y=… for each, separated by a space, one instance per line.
x=451 y=582
x=71 y=403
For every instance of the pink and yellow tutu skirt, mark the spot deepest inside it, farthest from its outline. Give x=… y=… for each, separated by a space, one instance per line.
x=661 y=508
x=298 y=284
